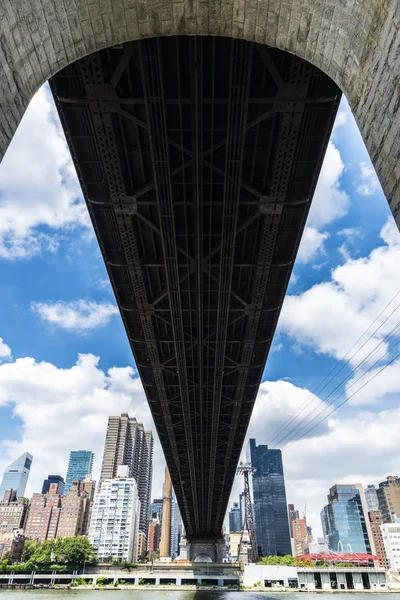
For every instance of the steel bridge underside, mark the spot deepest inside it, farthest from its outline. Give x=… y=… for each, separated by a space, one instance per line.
x=198 y=159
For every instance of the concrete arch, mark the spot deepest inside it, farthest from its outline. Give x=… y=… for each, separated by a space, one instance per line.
x=356 y=43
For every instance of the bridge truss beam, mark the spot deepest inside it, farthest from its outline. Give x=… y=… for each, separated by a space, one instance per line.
x=198 y=159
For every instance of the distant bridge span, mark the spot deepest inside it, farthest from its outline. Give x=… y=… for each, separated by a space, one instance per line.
x=198 y=157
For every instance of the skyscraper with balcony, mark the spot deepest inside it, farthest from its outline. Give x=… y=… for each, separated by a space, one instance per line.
x=115 y=518
x=16 y=475
x=269 y=497
x=127 y=443
x=389 y=498
x=345 y=520
x=79 y=466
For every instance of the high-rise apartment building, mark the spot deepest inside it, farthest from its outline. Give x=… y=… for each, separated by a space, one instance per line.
x=345 y=520
x=16 y=475
x=80 y=465
x=13 y=512
x=269 y=498
x=300 y=536
x=141 y=545
x=153 y=537
x=371 y=498
x=375 y=519
x=235 y=518
x=389 y=498
x=114 y=525
x=127 y=443
x=391 y=540
x=44 y=515
x=75 y=509
x=57 y=479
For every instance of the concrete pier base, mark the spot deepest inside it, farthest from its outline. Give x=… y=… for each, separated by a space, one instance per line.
x=206 y=550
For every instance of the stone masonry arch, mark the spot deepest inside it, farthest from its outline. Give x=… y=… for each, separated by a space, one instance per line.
x=355 y=42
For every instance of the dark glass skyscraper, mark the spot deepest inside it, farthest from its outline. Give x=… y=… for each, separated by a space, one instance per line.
x=269 y=497
x=53 y=479
x=343 y=520
x=235 y=518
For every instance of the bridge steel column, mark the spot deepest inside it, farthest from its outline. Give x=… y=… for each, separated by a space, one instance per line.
x=356 y=43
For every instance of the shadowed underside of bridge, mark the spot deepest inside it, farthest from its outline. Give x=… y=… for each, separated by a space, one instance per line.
x=198 y=158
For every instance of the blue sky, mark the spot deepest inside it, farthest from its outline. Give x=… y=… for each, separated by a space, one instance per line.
x=65 y=363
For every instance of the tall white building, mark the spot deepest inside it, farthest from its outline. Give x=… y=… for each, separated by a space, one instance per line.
x=16 y=475
x=391 y=540
x=114 y=524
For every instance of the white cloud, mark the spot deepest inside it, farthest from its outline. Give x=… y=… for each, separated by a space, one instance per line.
x=381 y=383
x=329 y=202
x=334 y=452
x=341 y=119
x=330 y=316
x=350 y=233
x=67 y=409
x=368 y=180
x=38 y=185
x=312 y=244
x=79 y=315
x=5 y=351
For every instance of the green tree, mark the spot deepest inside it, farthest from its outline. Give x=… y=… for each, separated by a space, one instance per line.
x=73 y=551
x=29 y=550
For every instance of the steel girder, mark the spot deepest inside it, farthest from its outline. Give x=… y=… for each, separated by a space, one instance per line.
x=198 y=159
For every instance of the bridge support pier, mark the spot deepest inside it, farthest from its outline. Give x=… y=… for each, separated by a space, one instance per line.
x=206 y=550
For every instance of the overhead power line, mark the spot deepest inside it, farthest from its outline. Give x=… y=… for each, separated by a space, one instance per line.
x=348 y=398
x=323 y=407
x=332 y=375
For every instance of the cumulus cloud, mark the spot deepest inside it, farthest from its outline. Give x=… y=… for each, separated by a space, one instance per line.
x=330 y=316
x=79 y=315
x=39 y=190
x=368 y=180
x=315 y=463
x=330 y=202
x=341 y=119
x=67 y=409
x=312 y=244
x=5 y=351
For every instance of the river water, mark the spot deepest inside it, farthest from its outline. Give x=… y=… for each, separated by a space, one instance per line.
x=178 y=595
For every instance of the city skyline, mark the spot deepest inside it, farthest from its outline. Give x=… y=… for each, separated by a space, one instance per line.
x=37 y=371
x=367 y=487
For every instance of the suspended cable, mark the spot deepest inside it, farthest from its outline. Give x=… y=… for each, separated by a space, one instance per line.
x=347 y=399
x=283 y=439
x=330 y=375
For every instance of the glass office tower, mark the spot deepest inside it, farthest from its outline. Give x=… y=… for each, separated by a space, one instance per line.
x=343 y=520
x=16 y=475
x=269 y=496
x=79 y=466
